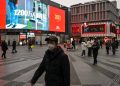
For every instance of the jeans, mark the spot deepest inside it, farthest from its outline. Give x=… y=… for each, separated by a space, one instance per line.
x=13 y=17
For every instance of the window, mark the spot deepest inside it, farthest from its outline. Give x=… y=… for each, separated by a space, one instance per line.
x=104 y=6
x=77 y=10
x=93 y=7
x=85 y=17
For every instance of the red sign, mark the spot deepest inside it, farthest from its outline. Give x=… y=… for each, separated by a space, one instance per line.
x=22 y=36
x=57 y=19
x=117 y=31
x=2 y=14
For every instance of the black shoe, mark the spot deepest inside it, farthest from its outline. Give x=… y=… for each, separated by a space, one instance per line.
x=14 y=26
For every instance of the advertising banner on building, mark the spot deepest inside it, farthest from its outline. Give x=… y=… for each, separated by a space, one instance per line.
x=26 y=14
x=57 y=19
x=2 y=14
x=32 y=15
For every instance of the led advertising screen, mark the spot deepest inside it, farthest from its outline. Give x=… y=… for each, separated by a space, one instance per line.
x=26 y=14
x=2 y=14
x=94 y=29
x=56 y=19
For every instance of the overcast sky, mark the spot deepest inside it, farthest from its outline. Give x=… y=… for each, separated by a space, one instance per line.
x=71 y=2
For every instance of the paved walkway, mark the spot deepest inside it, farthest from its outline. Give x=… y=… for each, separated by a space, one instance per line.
x=18 y=69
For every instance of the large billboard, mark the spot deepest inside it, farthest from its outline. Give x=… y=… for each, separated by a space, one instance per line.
x=31 y=14
x=26 y=14
x=2 y=14
x=57 y=19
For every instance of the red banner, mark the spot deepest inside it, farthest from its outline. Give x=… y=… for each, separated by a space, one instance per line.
x=2 y=14
x=57 y=19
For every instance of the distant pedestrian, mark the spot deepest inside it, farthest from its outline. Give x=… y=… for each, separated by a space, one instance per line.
x=73 y=44
x=41 y=43
x=83 y=47
x=117 y=44
x=89 y=45
x=113 y=47
x=95 y=48
x=108 y=46
x=14 y=47
x=56 y=65
x=4 y=48
x=8 y=42
x=29 y=45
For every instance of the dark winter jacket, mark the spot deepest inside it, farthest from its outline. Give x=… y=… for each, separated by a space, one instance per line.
x=113 y=44
x=108 y=45
x=14 y=44
x=57 y=68
x=95 y=48
x=4 y=46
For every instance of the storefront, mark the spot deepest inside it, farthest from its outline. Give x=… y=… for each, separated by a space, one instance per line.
x=98 y=30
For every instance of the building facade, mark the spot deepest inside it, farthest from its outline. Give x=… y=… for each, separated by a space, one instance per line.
x=94 y=19
x=40 y=35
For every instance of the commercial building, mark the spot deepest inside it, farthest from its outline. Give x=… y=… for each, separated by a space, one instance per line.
x=36 y=19
x=94 y=19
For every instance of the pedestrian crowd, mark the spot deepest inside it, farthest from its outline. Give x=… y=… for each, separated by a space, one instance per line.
x=55 y=62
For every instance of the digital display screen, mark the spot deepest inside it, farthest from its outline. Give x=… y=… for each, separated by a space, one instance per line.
x=94 y=28
x=24 y=14
x=57 y=19
x=32 y=15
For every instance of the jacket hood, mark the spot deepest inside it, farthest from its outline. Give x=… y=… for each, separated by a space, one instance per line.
x=53 y=54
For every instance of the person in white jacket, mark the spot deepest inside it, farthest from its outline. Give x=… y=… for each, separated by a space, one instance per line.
x=84 y=47
x=89 y=45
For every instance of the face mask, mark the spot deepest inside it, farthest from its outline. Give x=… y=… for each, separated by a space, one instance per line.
x=51 y=46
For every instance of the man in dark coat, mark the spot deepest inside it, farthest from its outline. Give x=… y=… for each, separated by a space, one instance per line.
x=73 y=44
x=95 y=48
x=14 y=47
x=113 y=46
x=4 y=48
x=56 y=65
x=108 y=46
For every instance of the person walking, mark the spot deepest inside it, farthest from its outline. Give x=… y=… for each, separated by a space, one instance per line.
x=56 y=65
x=113 y=46
x=89 y=45
x=117 y=43
x=4 y=48
x=95 y=48
x=107 y=46
x=83 y=46
x=14 y=47
x=29 y=45
x=73 y=44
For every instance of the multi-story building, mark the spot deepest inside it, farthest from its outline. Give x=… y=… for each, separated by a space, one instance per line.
x=49 y=14
x=94 y=19
x=118 y=27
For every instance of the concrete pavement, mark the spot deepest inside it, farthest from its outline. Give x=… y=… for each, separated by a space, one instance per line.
x=18 y=69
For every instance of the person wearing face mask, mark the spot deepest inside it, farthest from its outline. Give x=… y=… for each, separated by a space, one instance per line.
x=55 y=64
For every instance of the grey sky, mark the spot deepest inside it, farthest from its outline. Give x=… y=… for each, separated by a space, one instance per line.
x=71 y=2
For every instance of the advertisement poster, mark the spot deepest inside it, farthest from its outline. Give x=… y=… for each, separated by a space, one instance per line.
x=32 y=15
x=26 y=14
x=94 y=29
x=57 y=19
x=2 y=14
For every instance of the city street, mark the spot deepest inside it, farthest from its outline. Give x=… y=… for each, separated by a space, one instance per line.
x=18 y=69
